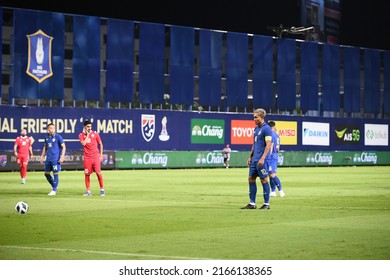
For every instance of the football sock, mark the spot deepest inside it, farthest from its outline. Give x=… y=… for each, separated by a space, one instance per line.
x=23 y=171
x=277 y=183
x=252 y=192
x=272 y=183
x=266 y=192
x=100 y=179
x=55 y=181
x=87 y=183
x=49 y=179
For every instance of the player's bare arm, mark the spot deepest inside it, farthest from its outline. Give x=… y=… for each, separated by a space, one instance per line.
x=62 y=158
x=41 y=159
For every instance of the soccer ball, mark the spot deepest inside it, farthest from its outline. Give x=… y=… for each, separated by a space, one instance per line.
x=21 y=207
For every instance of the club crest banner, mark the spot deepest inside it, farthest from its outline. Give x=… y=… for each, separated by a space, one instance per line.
x=39 y=56
x=148 y=126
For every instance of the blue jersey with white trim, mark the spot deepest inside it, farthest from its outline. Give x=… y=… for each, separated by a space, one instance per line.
x=259 y=135
x=53 y=147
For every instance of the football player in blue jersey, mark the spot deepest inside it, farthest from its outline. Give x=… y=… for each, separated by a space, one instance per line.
x=275 y=147
x=54 y=149
x=258 y=160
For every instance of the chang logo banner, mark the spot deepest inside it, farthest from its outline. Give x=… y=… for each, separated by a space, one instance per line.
x=150 y=159
x=207 y=131
x=39 y=56
x=365 y=157
x=319 y=158
x=211 y=158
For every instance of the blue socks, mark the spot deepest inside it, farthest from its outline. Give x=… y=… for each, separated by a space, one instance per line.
x=252 y=192
x=266 y=192
x=49 y=179
x=53 y=181
x=277 y=183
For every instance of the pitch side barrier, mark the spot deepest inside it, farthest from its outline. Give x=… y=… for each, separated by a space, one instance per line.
x=139 y=138
x=73 y=161
x=201 y=159
x=214 y=159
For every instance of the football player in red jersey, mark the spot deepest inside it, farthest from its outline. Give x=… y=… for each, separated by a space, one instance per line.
x=93 y=155
x=23 y=151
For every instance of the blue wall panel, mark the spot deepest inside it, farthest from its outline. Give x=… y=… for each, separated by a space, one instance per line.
x=1 y=47
x=210 y=67
x=372 y=92
x=386 y=87
x=263 y=72
x=331 y=77
x=151 y=63
x=86 y=58
x=120 y=61
x=182 y=65
x=237 y=69
x=286 y=79
x=309 y=76
x=216 y=73
x=351 y=80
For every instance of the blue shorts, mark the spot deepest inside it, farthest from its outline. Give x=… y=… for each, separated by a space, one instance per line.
x=273 y=165
x=52 y=166
x=259 y=171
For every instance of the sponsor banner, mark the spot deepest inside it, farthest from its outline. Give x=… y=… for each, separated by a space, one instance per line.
x=207 y=131
x=73 y=161
x=323 y=158
x=120 y=129
x=176 y=159
x=241 y=132
x=160 y=130
x=376 y=134
x=202 y=159
x=288 y=132
x=347 y=134
x=315 y=133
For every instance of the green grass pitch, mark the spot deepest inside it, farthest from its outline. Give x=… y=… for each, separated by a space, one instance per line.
x=328 y=213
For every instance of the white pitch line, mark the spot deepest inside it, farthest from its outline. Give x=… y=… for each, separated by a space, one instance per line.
x=100 y=252
x=105 y=199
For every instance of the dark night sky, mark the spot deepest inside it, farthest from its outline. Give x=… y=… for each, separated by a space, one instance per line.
x=363 y=23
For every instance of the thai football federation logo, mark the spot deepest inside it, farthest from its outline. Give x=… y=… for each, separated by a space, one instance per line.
x=148 y=126
x=39 y=56
x=3 y=160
